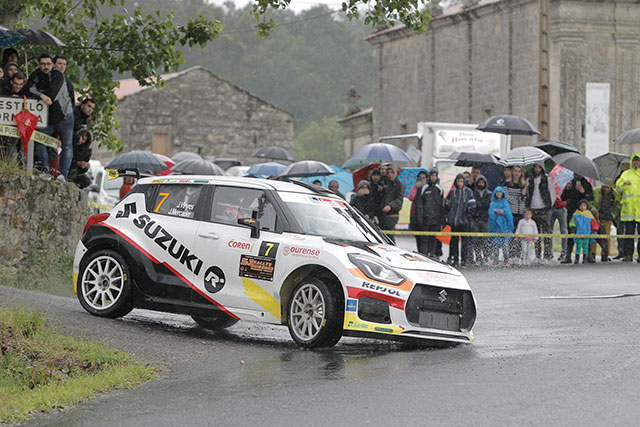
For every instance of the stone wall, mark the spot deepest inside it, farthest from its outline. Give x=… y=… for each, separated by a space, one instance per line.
x=38 y=214
x=201 y=113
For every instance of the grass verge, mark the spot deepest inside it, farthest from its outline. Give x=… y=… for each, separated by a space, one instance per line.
x=41 y=369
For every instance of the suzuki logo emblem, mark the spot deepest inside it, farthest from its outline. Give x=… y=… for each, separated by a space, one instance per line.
x=442 y=295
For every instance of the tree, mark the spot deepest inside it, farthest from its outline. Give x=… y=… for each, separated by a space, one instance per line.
x=146 y=45
x=322 y=141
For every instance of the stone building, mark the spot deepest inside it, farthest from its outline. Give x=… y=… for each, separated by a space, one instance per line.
x=479 y=59
x=198 y=112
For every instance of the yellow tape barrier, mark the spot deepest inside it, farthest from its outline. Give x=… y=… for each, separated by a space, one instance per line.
x=37 y=136
x=542 y=235
x=97 y=205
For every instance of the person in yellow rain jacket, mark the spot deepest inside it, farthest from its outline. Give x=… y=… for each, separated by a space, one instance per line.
x=628 y=185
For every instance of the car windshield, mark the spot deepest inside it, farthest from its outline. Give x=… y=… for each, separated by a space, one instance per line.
x=329 y=217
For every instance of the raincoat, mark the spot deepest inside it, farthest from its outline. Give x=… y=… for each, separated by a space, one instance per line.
x=500 y=217
x=629 y=194
x=584 y=222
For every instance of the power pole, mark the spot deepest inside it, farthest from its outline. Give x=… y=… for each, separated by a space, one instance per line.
x=543 y=92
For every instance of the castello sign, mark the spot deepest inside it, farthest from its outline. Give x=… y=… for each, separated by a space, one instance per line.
x=10 y=106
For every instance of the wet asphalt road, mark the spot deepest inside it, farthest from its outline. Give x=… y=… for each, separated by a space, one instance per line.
x=535 y=361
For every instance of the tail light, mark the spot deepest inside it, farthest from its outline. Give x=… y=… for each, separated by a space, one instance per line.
x=94 y=219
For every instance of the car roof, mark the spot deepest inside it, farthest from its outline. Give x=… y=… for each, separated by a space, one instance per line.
x=233 y=180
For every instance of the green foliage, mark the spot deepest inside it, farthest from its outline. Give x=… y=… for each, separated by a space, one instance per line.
x=145 y=45
x=41 y=369
x=322 y=141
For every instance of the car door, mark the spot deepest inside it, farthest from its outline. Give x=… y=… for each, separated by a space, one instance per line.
x=240 y=270
x=166 y=232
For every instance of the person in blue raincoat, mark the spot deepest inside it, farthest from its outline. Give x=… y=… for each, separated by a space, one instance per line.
x=500 y=221
x=584 y=223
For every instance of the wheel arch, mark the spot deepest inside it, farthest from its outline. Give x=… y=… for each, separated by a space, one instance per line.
x=294 y=278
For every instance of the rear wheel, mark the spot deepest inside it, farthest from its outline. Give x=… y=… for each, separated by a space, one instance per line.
x=104 y=287
x=315 y=314
x=216 y=321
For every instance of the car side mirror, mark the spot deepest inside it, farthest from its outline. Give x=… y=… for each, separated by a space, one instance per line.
x=253 y=224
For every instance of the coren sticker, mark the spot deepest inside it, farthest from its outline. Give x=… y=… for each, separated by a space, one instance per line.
x=268 y=249
x=257 y=267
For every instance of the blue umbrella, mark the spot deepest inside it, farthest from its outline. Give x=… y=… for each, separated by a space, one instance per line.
x=381 y=152
x=9 y=37
x=266 y=169
x=344 y=178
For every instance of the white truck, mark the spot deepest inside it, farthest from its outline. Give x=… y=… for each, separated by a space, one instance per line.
x=437 y=141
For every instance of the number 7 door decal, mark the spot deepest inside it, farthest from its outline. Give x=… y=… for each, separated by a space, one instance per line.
x=164 y=197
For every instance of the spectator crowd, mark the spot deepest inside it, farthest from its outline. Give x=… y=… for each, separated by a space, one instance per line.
x=68 y=122
x=525 y=202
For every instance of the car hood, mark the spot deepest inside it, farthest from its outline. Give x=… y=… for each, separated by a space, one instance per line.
x=405 y=260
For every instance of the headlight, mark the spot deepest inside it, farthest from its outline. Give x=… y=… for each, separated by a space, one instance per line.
x=376 y=270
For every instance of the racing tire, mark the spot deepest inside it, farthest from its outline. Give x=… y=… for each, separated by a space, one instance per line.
x=104 y=285
x=215 y=321
x=315 y=314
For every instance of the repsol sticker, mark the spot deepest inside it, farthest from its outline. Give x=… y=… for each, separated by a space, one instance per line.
x=380 y=288
x=257 y=267
x=300 y=251
x=168 y=243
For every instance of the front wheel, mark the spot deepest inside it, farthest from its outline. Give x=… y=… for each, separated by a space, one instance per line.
x=315 y=314
x=104 y=286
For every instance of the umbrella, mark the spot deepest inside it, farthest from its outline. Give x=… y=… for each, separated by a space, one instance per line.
x=143 y=161
x=275 y=153
x=363 y=173
x=578 y=164
x=307 y=168
x=9 y=37
x=197 y=167
x=524 y=156
x=266 y=169
x=472 y=158
x=185 y=155
x=164 y=159
x=448 y=176
x=630 y=137
x=508 y=125
x=355 y=164
x=381 y=152
x=556 y=147
x=610 y=164
x=38 y=37
x=343 y=177
x=408 y=177
x=561 y=177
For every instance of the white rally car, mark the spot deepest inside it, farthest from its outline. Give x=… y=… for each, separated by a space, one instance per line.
x=223 y=249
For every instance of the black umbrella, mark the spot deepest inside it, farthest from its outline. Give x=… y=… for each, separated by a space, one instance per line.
x=9 y=37
x=578 y=164
x=307 y=168
x=610 y=164
x=508 y=125
x=38 y=37
x=556 y=147
x=197 y=167
x=629 y=137
x=185 y=155
x=143 y=161
x=473 y=158
x=275 y=153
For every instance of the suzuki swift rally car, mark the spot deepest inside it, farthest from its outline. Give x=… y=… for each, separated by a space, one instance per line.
x=223 y=249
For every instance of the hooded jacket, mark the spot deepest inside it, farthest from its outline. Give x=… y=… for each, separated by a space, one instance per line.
x=500 y=216
x=584 y=222
x=461 y=206
x=393 y=195
x=430 y=209
x=81 y=153
x=608 y=207
x=483 y=200
x=362 y=202
x=630 y=193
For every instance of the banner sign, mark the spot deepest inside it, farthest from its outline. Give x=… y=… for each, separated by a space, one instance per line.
x=39 y=137
x=10 y=106
x=596 y=136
